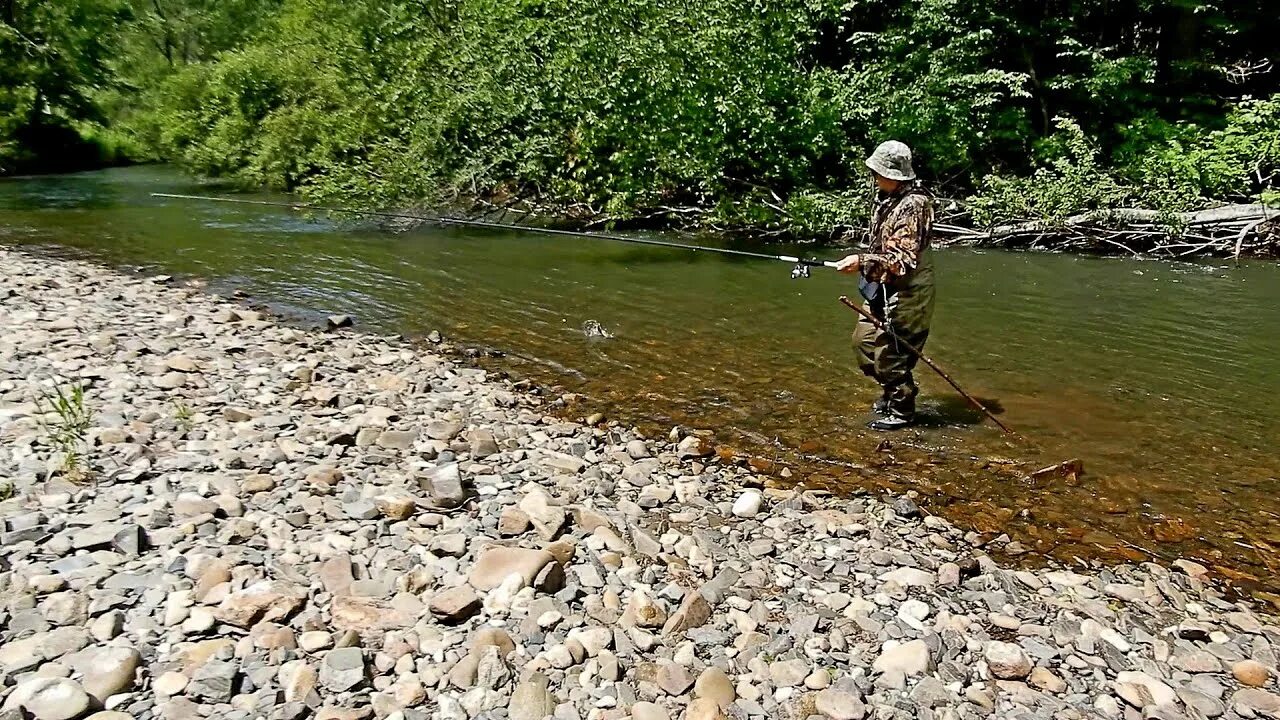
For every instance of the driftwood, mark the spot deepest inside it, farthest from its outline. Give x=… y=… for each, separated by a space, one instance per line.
x=1230 y=230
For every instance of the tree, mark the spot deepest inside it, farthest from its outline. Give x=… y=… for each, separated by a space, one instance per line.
x=55 y=59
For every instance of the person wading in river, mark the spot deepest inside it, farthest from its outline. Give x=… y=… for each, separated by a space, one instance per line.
x=897 y=282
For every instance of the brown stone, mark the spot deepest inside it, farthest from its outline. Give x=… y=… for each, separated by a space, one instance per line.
x=194 y=656
x=455 y=604
x=396 y=507
x=693 y=613
x=335 y=575
x=1251 y=673
x=513 y=522
x=365 y=615
x=264 y=601
x=496 y=563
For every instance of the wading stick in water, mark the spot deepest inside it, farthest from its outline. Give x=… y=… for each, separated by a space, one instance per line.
x=914 y=351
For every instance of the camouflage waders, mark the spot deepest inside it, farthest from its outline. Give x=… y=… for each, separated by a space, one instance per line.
x=907 y=309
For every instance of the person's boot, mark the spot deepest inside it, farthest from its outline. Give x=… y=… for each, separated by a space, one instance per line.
x=891 y=422
x=881 y=406
x=899 y=408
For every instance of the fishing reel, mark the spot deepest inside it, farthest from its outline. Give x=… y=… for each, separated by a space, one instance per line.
x=801 y=269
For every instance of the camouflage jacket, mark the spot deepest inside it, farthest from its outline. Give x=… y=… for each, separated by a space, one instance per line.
x=900 y=228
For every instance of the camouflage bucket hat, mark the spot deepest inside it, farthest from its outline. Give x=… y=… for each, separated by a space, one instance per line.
x=892 y=160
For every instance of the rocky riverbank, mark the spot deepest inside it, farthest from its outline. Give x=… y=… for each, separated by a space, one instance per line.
x=263 y=522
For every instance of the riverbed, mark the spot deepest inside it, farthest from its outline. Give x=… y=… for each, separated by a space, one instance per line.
x=1161 y=378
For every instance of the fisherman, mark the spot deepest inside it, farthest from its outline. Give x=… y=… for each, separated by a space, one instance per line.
x=896 y=280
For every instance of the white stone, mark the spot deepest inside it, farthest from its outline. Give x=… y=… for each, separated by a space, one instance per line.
x=748 y=504
x=1006 y=660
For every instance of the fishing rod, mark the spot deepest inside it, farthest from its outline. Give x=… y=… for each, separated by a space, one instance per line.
x=801 y=269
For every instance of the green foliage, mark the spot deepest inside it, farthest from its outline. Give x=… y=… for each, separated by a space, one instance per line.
x=183 y=415
x=1072 y=181
x=755 y=113
x=54 y=58
x=66 y=419
x=1163 y=166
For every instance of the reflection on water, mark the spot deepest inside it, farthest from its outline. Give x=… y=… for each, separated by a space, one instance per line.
x=1161 y=378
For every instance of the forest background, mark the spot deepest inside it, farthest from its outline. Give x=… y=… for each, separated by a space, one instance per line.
x=730 y=115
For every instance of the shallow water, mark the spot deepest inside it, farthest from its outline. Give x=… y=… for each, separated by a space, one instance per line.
x=1161 y=378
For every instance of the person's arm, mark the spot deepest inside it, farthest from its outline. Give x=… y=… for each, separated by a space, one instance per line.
x=904 y=233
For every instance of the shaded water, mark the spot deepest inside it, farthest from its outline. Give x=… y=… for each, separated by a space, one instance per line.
x=1161 y=378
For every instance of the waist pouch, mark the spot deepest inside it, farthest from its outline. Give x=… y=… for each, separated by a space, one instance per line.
x=870 y=290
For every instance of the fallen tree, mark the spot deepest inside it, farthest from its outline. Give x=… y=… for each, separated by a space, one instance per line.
x=1230 y=230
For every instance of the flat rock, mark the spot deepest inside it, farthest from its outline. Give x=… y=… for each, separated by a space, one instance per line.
x=107 y=670
x=910 y=577
x=1141 y=690
x=496 y=563
x=910 y=658
x=50 y=699
x=264 y=601
x=674 y=679
x=1259 y=702
x=1006 y=660
x=694 y=611
x=342 y=669
x=532 y=700
x=456 y=604
x=840 y=705
x=788 y=673
x=547 y=519
x=214 y=681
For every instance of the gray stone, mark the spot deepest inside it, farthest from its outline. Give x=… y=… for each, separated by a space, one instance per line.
x=214 y=681
x=342 y=669
x=532 y=700
x=674 y=679
x=50 y=699
x=491 y=670
x=444 y=484
x=931 y=693
x=1259 y=702
x=1197 y=661
x=840 y=705
x=1203 y=704
x=788 y=673
x=107 y=670
x=397 y=439
x=904 y=507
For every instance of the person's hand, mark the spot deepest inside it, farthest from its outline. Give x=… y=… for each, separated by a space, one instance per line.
x=850 y=264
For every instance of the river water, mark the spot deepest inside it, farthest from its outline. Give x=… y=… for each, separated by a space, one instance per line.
x=1161 y=378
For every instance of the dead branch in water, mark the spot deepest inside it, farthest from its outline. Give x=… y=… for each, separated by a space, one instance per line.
x=1231 y=230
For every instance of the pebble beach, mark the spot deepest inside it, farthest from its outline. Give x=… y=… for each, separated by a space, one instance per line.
x=240 y=519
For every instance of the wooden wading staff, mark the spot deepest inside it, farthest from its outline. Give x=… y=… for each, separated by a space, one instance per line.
x=914 y=351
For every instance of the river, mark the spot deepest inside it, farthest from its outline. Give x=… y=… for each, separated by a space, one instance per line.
x=1161 y=378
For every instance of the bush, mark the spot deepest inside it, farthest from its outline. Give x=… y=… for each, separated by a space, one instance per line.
x=1072 y=181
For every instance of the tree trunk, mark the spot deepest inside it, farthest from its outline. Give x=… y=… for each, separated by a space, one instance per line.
x=1179 y=41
